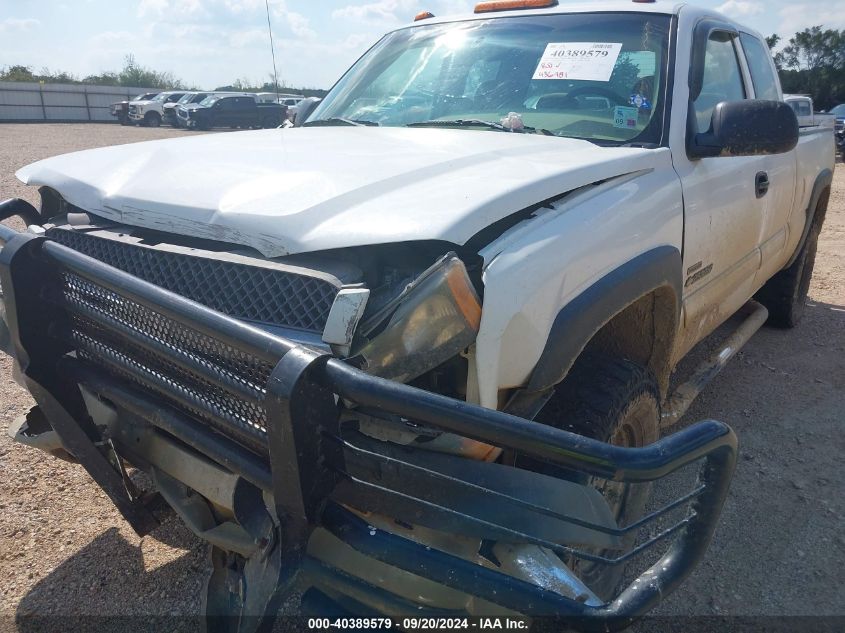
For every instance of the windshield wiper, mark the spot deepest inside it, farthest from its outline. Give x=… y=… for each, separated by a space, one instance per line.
x=493 y=125
x=340 y=121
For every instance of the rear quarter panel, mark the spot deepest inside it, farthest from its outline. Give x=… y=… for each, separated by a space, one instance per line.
x=816 y=152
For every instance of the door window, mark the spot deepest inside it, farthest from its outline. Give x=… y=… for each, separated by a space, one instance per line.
x=722 y=79
x=760 y=64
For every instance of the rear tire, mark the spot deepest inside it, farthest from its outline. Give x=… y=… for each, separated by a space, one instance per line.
x=617 y=401
x=785 y=294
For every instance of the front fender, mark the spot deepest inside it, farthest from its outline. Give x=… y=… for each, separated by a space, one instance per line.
x=542 y=266
x=580 y=319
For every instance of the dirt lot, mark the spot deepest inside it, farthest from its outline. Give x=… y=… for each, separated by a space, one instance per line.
x=779 y=550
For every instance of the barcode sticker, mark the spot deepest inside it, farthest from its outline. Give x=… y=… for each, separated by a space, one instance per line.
x=580 y=61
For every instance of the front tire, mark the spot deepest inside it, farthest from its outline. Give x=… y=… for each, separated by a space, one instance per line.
x=785 y=294
x=152 y=119
x=617 y=401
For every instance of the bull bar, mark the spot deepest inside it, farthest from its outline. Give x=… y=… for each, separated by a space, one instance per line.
x=303 y=462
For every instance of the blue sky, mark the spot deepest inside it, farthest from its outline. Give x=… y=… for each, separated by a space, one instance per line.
x=213 y=42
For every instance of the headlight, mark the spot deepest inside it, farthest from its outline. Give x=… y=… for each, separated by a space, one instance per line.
x=434 y=318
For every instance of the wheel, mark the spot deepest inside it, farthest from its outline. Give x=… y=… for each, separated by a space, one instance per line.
x=785 y=294
x=152 y=119
x=617 y=401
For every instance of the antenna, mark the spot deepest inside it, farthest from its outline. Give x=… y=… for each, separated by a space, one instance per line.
x=272 y=50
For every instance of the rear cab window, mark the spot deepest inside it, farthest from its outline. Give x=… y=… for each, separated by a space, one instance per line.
x=801 y=107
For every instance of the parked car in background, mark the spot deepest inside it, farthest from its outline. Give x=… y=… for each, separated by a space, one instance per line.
x=266 y=97
x=807 y=116
x=183 y=111
x=806 y=113
x=150 y=113
x=291 y=102
x=120 y=110
x=839 y=113
x=298 y=114
x=839 y=127
x=235 y=111
x=169 y=109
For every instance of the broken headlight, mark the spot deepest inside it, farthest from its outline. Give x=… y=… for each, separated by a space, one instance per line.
x=433 y=319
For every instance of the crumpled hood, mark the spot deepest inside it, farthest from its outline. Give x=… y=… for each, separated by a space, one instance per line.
x=295 y=190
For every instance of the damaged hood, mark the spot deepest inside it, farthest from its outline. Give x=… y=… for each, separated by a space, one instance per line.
x=286 y=191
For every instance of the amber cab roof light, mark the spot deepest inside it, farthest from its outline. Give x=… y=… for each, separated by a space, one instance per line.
x=423 y=15
x=513 y=5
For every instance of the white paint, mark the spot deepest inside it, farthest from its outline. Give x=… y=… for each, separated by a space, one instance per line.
x=313 y=189
x=535 y=269
x=295 y=190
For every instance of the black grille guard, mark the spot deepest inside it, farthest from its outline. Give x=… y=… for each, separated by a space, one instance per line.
x=298 y=452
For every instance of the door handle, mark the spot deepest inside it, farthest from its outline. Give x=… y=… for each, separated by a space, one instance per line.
x=761 y=184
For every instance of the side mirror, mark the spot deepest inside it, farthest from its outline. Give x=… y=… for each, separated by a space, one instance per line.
x=751 y=127
x=304 y=109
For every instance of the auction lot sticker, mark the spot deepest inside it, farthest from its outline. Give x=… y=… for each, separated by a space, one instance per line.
x=582 y=61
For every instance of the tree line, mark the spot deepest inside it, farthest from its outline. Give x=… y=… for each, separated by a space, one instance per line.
x=813 y=62
x=134 y=75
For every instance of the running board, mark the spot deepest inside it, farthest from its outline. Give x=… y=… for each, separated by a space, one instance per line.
x=679 y=401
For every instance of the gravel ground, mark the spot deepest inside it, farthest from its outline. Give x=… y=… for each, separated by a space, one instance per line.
x=779 y=550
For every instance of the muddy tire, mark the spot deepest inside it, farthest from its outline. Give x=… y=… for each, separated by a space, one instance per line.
x=152 y=119
x=617 y=401
x=785 y=294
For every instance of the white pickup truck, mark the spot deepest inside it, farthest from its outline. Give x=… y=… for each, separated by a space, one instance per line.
x=151 y=113
x=415 y=352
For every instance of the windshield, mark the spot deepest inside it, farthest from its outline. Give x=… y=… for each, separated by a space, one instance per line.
x=209 y=101
x=839 y=110
x=162 y=97
x=186 y=98
x=599 y=77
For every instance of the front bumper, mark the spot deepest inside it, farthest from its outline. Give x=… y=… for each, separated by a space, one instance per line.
x=311 y=467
